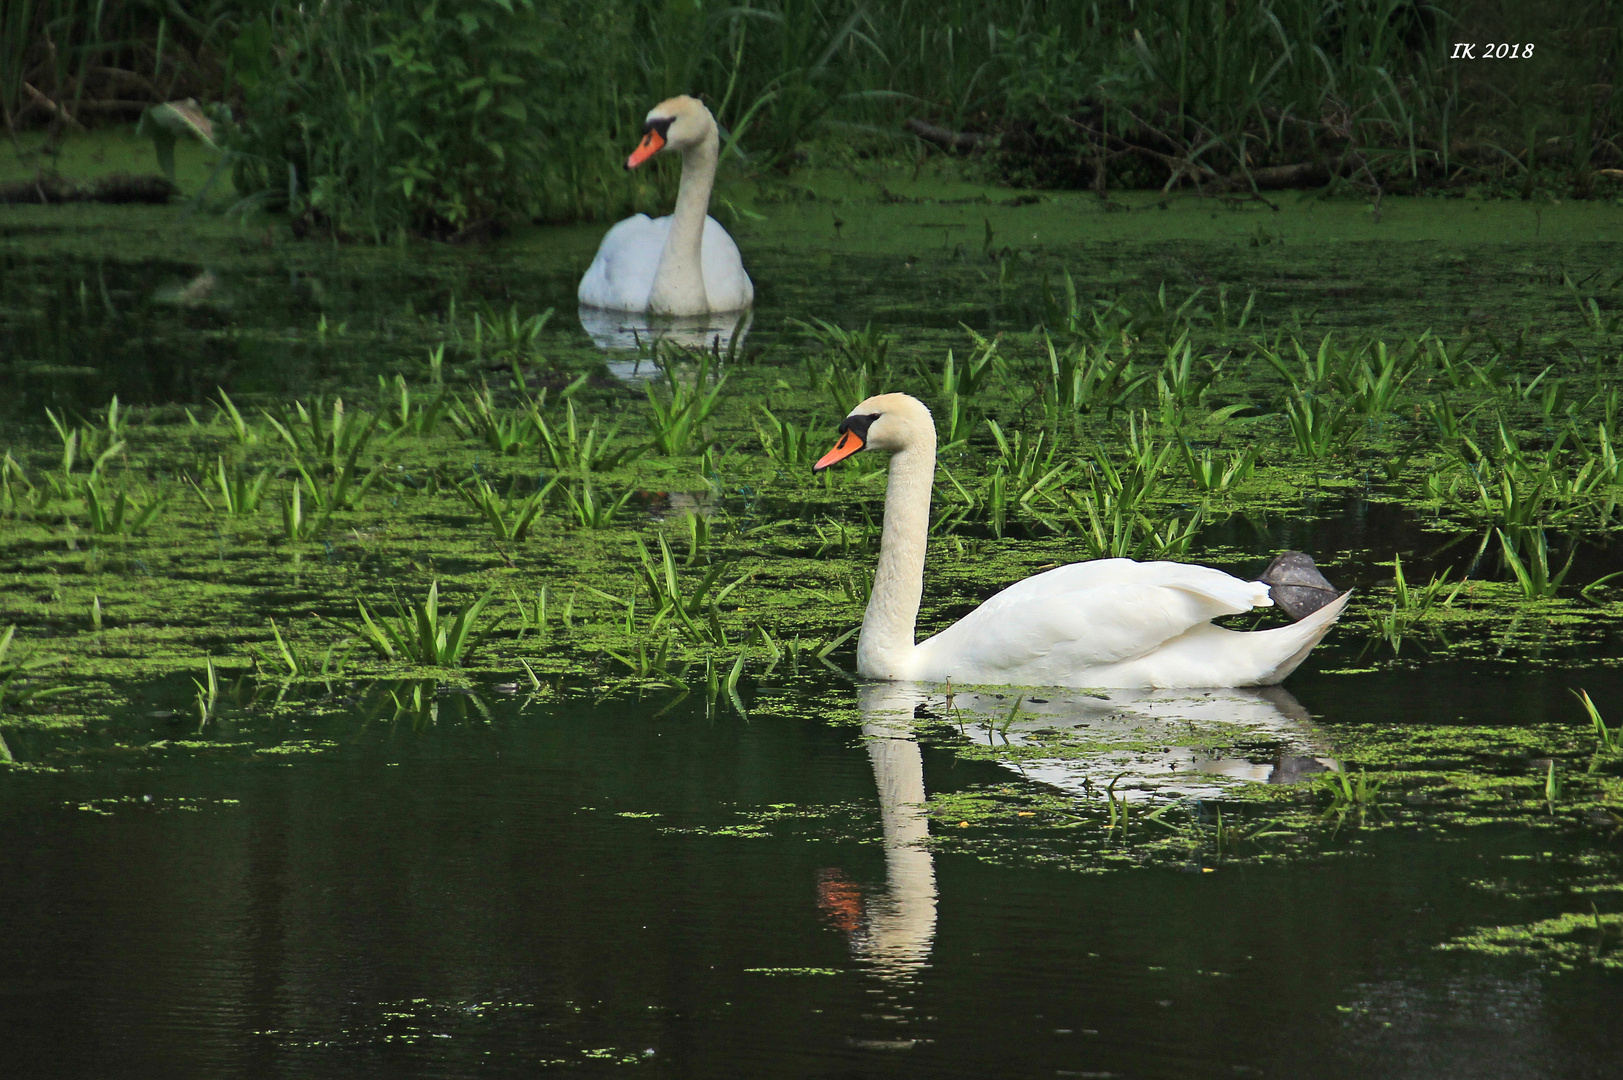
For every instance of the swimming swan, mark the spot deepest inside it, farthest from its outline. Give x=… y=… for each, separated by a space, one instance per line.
x=684 y=264
x=1105 y=623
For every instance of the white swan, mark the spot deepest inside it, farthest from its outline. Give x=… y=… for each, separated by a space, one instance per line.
x=1106 y=623
x=684 y=264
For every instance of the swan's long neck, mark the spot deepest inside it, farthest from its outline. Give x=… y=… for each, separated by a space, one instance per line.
x=679 y=281
x=885 y=646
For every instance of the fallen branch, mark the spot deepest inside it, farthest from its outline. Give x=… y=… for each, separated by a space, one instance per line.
x=1275 y=177
x=946 y=138
x=51 y=107
x=115 y=105
x=118 y=188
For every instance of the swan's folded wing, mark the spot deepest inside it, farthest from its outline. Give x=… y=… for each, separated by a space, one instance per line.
x=622 y=274
x=1233 y=594
x=1085 y=615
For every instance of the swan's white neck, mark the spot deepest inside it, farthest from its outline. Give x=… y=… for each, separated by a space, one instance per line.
x=885 y=648
x=679 y=281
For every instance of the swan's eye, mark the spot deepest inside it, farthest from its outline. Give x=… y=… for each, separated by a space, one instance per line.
x=660 y=124
x=859 y=425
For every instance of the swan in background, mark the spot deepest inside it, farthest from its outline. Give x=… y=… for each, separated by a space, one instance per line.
x=1105 y=623
x=684 y=264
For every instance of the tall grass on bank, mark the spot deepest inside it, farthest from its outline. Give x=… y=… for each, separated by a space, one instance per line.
x=370 y=119
x=65 y=63
x=1283 y=94
x=373 y=119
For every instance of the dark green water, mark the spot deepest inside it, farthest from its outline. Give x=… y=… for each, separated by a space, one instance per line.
x=851 y=883
x=547 y=889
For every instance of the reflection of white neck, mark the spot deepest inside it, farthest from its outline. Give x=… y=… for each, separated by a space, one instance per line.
x=901 y=927
x=679 y=281
x=885 y=647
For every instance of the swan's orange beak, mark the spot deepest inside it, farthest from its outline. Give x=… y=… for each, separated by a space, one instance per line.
x=850 y=442
x=652 y=143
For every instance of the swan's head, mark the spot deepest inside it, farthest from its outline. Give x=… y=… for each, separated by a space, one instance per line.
x=888 y=422
x=674 y=124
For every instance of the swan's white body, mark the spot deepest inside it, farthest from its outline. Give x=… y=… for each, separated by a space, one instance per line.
x=684 y=264
x=1108 y=623
x=622 y=276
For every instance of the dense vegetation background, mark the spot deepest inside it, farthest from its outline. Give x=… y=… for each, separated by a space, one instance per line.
x=434 y=116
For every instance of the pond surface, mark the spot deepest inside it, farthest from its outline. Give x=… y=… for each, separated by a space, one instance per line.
x=1407 y=863
x=599 y=888
x=135 y=303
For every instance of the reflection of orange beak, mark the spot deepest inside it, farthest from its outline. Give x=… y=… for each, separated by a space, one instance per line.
x=850 y=442
x=839 y=900
x=652 y=143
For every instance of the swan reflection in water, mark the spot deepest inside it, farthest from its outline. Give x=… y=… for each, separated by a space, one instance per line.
x=637 y=331
x=1150 y=731
x=894 y=929
x=1159 y=743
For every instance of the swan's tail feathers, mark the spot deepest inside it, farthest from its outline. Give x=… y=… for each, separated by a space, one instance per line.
x=1307 y=633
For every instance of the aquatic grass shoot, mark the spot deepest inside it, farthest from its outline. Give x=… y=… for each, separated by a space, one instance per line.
x=508 y=517
x=589 y=510
x=1225 y=832
x=114 y=515
x=677 y=418
x=318 y=435
x=240 y=494
x=786 y=442
x=407 y=414
x=327 y=448
x=1118 y=808
x=295 y=525
x=571 y=450
x=692 y=605
x=1111 y=528
x=1607 y=740
x=1374 y=384
x=652 y=665
x=1349 y=796
x=854 y=364
x=1083 y=378
x=421 y=633
x=298 y=665
x=1024 y=471
x=716 y=683
x=21 y=671
x=1183 y=378
x=208 y=695
x=532 y=616
x=83 y=441
x=1412 y=605
x=20 y=496
x=1532 y=567
x=507 y=434
x=1318 y=425
x=505 y=337
x=1218 y=476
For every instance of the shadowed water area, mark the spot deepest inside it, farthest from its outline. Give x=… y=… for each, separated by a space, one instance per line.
x=584 y=848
